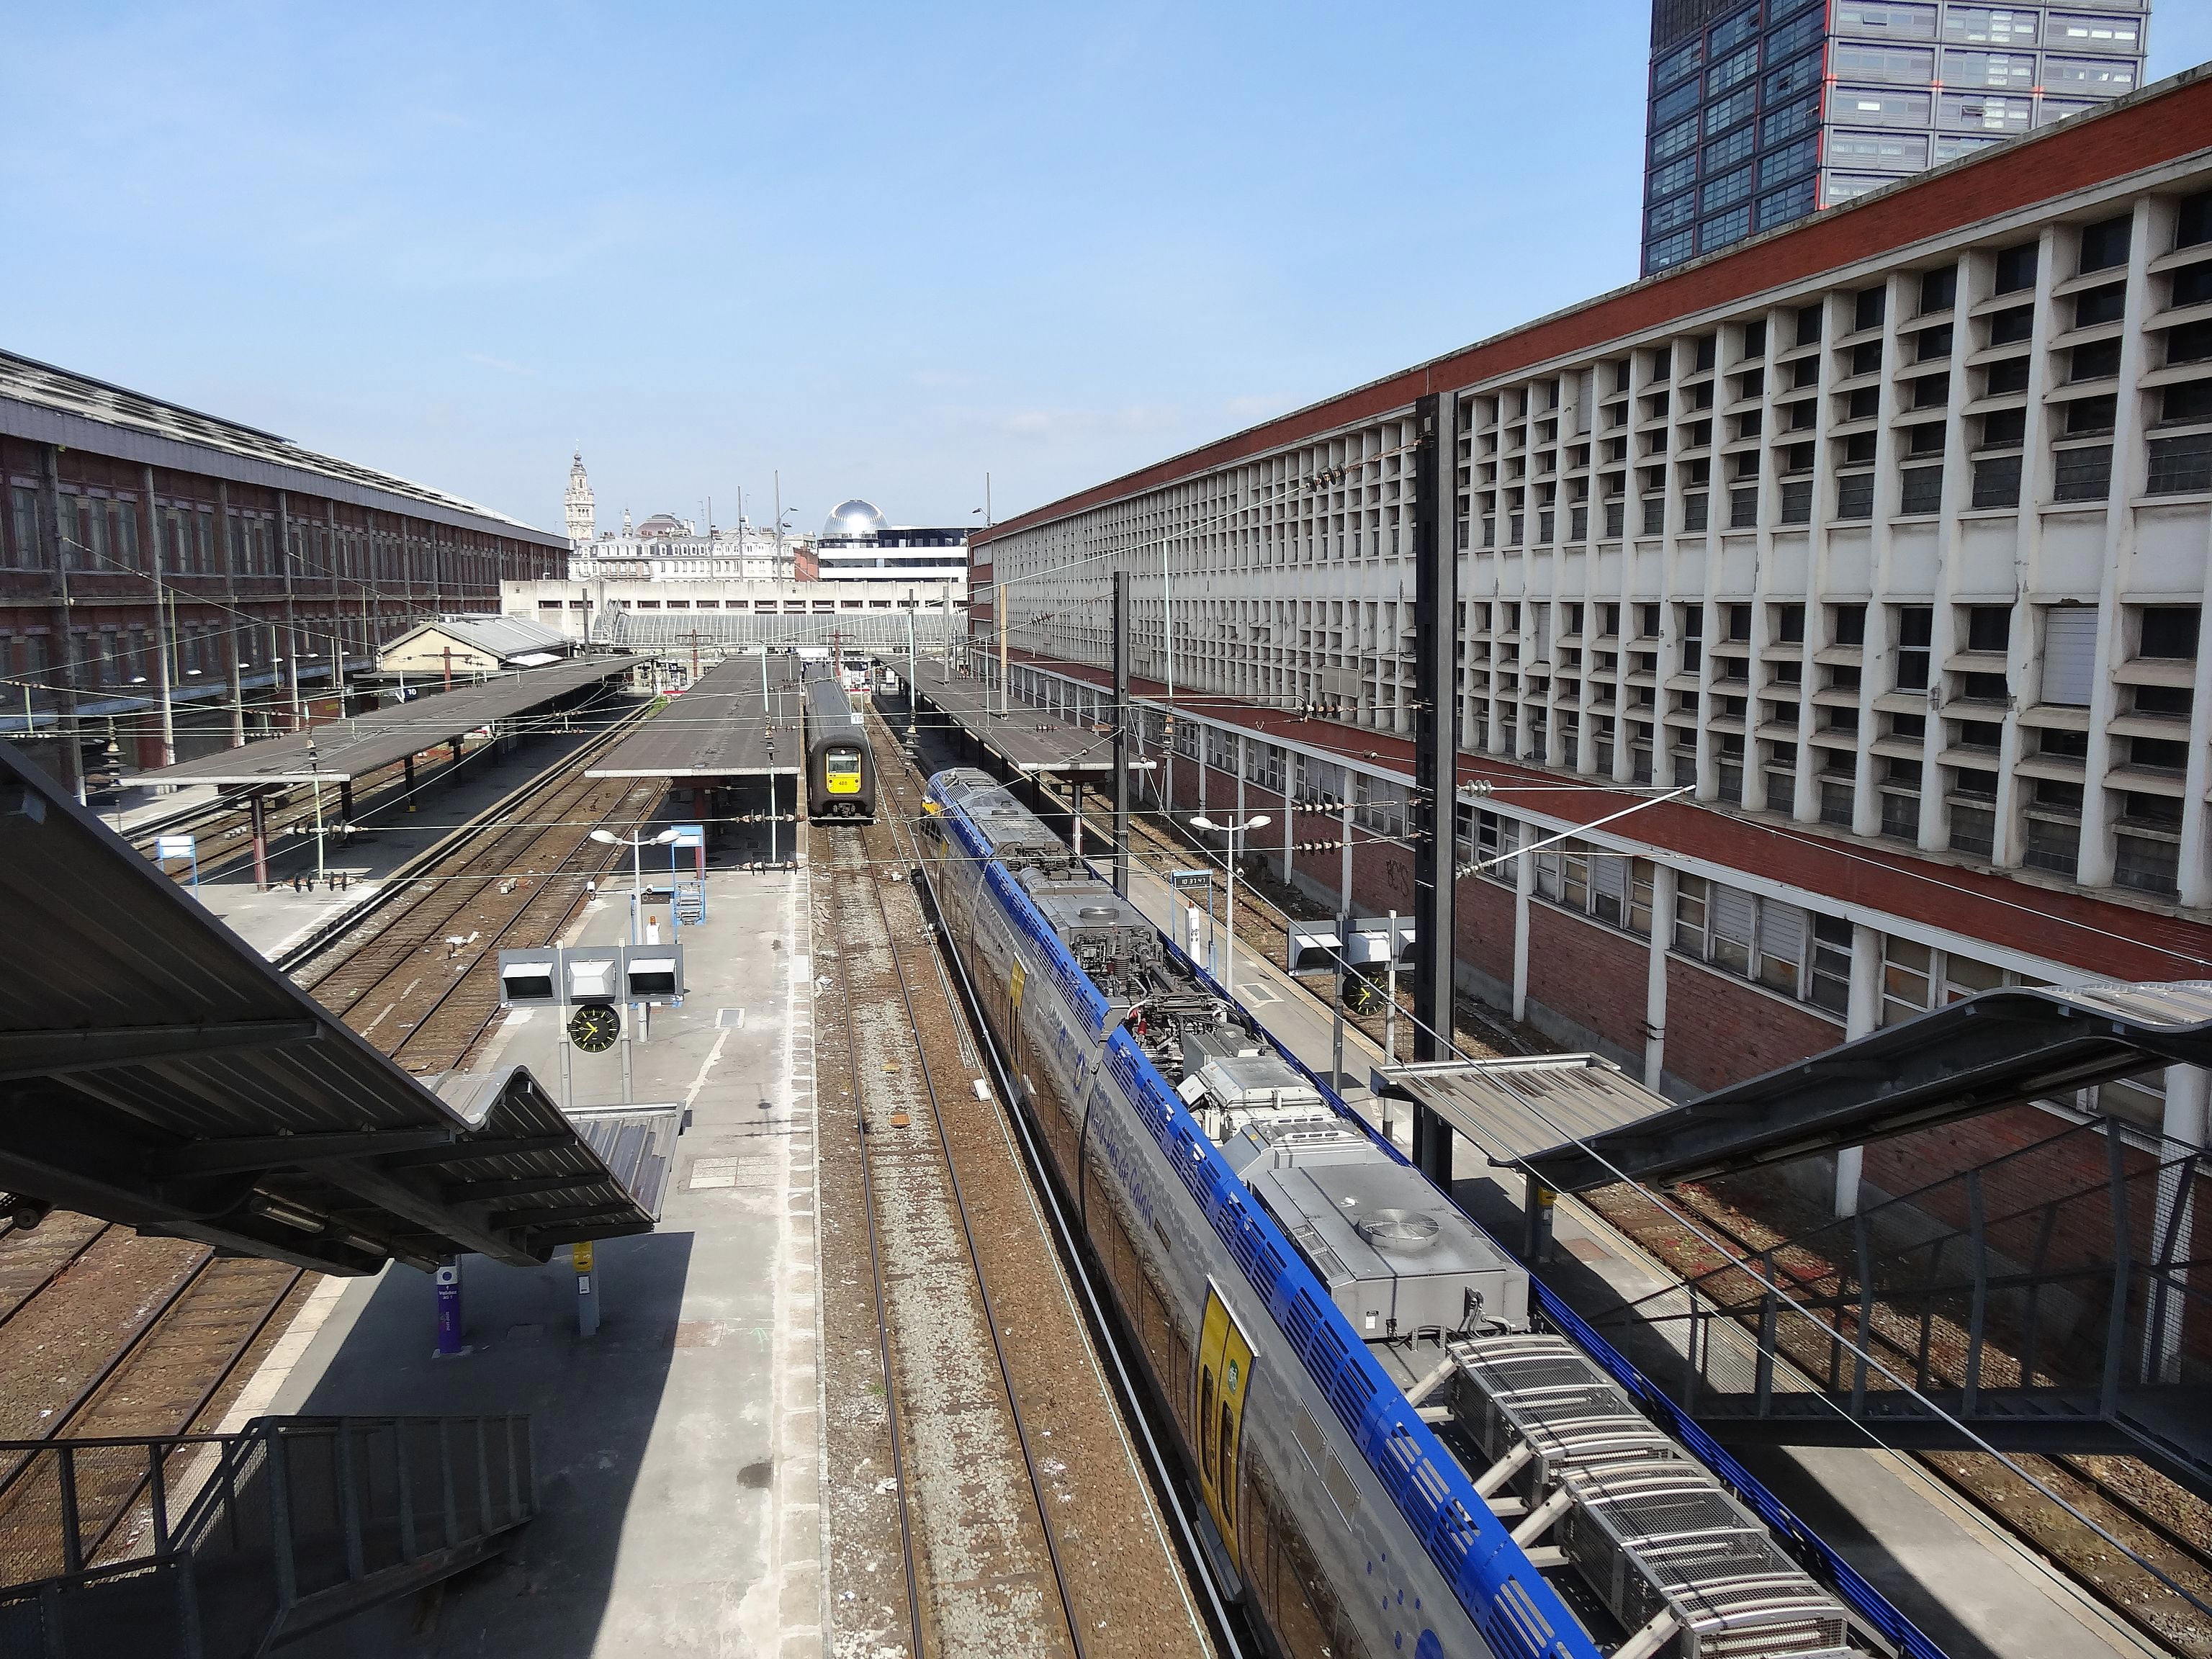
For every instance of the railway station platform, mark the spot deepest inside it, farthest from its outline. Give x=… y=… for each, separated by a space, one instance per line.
x=724 y=746
x=337 y=751
x=387 y=838
x=676 y=1448
x=1968 y=1585
x=1023 y=737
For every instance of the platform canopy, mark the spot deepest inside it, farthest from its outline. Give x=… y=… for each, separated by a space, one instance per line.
x=156 y=1070
x=740 y=719
x=1024 y=736
x=1513 y=1107
x=2001 y=1049
x=344 y=749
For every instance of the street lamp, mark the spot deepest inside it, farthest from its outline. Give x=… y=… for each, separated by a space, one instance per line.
x=637 y=844
x=1259 y=821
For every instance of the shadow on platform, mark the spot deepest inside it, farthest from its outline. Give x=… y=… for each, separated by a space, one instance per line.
x=592 y=1402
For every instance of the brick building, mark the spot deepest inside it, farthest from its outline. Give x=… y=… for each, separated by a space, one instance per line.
x=170 y=582
x=1884 y=537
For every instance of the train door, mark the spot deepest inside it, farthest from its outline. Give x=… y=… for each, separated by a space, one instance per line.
x=1225 y=1377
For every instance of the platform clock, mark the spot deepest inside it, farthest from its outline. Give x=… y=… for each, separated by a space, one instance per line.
x=594 y=1027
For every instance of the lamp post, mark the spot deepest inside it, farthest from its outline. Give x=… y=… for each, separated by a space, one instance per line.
x=637 y=844
x=1232 y=830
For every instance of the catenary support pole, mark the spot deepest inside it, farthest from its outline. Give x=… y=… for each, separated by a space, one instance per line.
x=1121 y=733
x=1343 y=938
x=1435 y=610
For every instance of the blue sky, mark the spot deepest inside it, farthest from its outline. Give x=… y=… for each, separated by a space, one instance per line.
x=883 y=249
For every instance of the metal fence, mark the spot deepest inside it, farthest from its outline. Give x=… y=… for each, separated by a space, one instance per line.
x=200 y=1547
x=2065 y=1275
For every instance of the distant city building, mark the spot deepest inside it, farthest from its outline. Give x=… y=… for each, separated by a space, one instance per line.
x=666 y=548
x=858 y=544
x=674 y=613
x=1760 y=114
x=577 y=506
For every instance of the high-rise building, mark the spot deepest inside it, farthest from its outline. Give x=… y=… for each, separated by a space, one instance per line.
x=1760 y=114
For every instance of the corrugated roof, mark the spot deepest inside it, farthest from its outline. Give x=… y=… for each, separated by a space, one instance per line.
x=740 y=719
x=362 y=744
x=42 y=385
x=494 y=635
x=1512 y=1107
x=2001 y=1048
x=1027 y=737
x=162 y=1074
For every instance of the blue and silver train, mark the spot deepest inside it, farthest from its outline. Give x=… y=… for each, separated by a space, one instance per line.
x=1388 y=1458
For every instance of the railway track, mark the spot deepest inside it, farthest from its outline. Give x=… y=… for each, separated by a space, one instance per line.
x=2159 y=1528
x=1024 y=1516
x=420 y=977
x=229 y=828
x=108 y=1334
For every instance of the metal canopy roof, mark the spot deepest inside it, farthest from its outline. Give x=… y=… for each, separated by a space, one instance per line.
x=1026 y=738
x=77 y=398
x=492 y=632
x=726 y=725
x=362 y=744
x=156 y=1070
x=2001 y=1048
x=1527 y=1103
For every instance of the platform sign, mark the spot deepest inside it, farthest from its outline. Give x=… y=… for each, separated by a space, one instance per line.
x=448 y=1279
x=1191 y=880
x=179 y=846
x=689 y=834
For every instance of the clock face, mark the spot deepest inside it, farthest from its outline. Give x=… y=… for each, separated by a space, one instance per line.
x=594 y=1027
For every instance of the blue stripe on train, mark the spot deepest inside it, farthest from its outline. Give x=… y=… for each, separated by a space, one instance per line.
x=1518 y=1613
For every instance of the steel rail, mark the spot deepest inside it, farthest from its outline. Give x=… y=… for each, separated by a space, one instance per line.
x=975 y=1264
x=1138 y=1406
x=397 y=884
x=883 y=1323
x=56 y=1270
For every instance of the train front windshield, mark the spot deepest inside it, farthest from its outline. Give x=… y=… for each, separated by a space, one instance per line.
x=841 y=771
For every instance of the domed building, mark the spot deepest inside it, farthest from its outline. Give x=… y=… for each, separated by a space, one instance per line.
x=857 y=541
x=663 y=527
x=855 y=518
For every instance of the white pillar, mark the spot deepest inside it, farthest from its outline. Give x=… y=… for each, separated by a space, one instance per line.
x=1862 y=1013
x=1654 y=991
x=2187 y=1093
x=1525 y=887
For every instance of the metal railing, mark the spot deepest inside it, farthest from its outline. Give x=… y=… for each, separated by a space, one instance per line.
x=2059 y=1281
x=202 y=1547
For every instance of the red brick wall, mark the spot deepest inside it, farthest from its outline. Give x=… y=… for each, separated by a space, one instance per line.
x=1722 y=1031
x=1483 y=917
x=1588 y=974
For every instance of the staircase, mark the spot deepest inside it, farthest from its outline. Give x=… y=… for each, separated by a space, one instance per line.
x=222 y=1547
x=2049 y=1300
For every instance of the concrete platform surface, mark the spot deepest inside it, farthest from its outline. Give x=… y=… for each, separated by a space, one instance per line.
x=678 y=1452
x=446 y=796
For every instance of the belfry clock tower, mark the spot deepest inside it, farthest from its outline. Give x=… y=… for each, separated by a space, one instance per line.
x=577 y=506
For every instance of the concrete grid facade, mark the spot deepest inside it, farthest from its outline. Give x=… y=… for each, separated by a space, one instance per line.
x=1887 y=537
